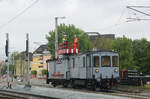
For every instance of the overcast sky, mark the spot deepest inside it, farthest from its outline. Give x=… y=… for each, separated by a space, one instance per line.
x=103 y=16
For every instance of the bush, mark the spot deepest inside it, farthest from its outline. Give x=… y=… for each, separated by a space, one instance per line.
x=44 y=72
x=33 y=72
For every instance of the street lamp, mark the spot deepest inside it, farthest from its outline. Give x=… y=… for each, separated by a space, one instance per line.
x=56 y=34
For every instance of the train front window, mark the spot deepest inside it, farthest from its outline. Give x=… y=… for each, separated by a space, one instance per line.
x=96 y=61
x=115 y=62
x=105 y=61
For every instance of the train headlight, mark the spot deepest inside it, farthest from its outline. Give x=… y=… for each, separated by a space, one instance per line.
x=97 y=70
x=116 y=70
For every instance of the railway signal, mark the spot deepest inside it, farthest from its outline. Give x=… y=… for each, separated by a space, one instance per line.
x=27 y=85
x=7 y=59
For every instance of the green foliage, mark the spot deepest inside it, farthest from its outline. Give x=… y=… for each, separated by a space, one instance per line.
x=11 y=68
x=70 y=31
x=33 y=72
x=44 y=72
x=125 y=48
x=102 y=43
x=3 y=70
x=133 y=54
x=142 y=55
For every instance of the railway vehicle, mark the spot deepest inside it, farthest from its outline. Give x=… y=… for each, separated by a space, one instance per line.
x=91 y=69
x=133 y=77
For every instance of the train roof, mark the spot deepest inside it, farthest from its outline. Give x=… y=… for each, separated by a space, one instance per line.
x=87 y=52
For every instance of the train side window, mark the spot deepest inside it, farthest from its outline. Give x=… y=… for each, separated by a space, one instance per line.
x=88 y=61
x=96 y=61
x=115 y=62
x=84 y=61
x=73 y=60
x=105 y=61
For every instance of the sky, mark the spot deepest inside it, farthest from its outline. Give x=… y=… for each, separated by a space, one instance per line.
x=103 y=16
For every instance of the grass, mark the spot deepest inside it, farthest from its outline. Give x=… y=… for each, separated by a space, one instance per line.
x=130 y=88
x=146 y=86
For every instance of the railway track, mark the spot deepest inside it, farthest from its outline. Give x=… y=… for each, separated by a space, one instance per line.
x=7 y=94
x=111 y=92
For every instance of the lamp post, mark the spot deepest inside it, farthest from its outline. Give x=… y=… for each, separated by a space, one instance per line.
x=56 y=34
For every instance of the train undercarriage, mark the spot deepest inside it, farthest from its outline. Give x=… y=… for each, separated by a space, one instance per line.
x=91 y=84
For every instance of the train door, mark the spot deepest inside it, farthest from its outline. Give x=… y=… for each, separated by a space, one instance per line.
x=88 y=66
x=68 y=75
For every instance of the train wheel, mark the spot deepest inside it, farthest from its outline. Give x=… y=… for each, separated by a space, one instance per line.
x=94 y=86
x=73 y=85
x=53 y=84
x=65 y=84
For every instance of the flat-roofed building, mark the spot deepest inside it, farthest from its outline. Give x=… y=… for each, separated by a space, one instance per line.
x=94 y=35
x=100 y=41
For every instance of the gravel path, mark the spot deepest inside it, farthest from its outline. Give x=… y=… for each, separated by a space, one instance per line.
x=63 y=94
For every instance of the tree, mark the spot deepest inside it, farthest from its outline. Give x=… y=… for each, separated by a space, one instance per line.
x=3 y=70
x=33 y=72
x=124 y=47
x=142 y=55
x=102 y=43
x=44 y=72
x=70 y=31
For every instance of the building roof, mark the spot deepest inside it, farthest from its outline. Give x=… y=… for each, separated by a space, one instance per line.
x=41 y=49
x=94 y=35
x=30 y=55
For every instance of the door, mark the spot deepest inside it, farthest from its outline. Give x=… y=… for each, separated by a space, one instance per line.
x=88 y=67
x=68 y=75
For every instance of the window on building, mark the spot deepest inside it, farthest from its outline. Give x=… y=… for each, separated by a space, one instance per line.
x=40 y=59
x=40 y=66
x=115 y=62
x=73 y=60
x=83 y=61
x=96 y=61
x=105 y=61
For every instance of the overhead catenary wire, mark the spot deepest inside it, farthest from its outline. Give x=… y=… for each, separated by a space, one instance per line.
x=19 y=14
x=119 y=19
x=117 y=22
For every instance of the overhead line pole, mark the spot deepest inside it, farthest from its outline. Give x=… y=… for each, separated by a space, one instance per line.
x=56 y=35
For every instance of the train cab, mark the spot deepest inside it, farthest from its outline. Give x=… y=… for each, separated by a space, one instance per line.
x=106 y=65
x=103 y=66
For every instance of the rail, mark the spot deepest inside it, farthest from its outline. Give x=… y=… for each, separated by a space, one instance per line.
x=8 y=94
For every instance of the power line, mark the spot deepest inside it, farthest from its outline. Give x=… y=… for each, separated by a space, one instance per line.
x=131 y=7
x=134 y=8
x=19 y=14
x=118 y=21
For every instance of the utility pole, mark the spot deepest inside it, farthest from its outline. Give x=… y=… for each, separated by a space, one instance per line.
x=56 y=35
x=7 y=60
x=13 y=63
x=20 y=58
x=27 y=85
